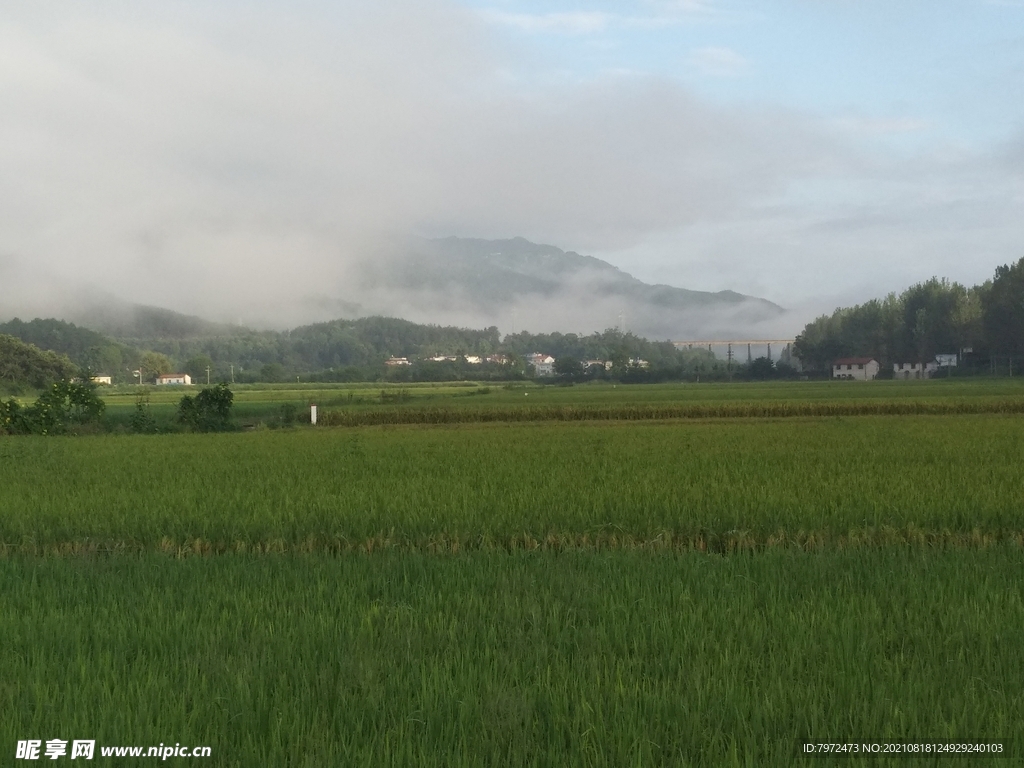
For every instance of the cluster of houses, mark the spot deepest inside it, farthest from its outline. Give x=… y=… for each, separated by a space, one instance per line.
x=867 y=368
x=543 y=364
x=162 y=379
x=471 y=359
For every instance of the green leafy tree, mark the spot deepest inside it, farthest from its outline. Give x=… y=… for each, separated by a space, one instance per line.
x=196 y=366
x=156 y=363
x=568 y=368
x=66 y=404
x=209 y=411
x=761 y=368
x=1003 y=310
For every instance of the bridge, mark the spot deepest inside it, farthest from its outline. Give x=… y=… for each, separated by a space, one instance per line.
x=730 y=343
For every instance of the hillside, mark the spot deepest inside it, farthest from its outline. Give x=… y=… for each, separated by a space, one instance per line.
x=516 y=284
x=26 y=366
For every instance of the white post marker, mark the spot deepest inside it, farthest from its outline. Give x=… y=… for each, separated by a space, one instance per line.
x=312 y=414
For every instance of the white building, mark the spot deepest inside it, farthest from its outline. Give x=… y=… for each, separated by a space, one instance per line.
x=543 y=365
x=101 y=380
x=397 y=361
x=174 y=378
x=856 y=368
x=913 y=370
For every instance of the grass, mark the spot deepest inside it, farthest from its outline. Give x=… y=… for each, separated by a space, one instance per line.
x=354 y=404
x=605 y=591
x=785 y=481
x=531 y=659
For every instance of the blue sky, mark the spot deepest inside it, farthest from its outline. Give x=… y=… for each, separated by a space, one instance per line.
x=948 y=71
x=813 y=152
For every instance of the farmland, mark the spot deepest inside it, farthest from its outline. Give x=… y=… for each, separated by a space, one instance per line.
x=518 y=591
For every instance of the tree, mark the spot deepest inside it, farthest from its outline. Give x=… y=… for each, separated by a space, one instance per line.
x=209 y=411
x=196 y=366
x=761 y=368
x=1003 y=310
x=64 y=405
x=156 y=363
x=568 y=368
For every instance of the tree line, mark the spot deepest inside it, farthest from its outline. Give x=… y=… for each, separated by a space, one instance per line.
x=930 y=318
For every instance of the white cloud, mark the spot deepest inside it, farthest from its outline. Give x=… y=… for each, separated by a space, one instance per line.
x=239 y=166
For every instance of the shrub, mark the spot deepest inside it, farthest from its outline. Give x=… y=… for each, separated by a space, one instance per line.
x=209 y=411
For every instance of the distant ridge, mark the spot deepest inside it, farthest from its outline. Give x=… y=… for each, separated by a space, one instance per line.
x=555 y=290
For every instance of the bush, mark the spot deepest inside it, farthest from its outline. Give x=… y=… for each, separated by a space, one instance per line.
x=209 y=411
x=64 y=405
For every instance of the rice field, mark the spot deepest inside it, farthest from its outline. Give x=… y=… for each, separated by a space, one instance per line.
x=808 y=481
x=690 y=590
x=539 y=659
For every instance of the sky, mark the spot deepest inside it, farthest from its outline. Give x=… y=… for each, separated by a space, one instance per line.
x=237 y=160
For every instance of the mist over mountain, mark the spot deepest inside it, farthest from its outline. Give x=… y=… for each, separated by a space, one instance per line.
x=515 y=284
x=512 y=284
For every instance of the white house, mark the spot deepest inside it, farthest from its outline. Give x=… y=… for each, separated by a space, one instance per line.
x=913 y=370
x=857 y=368
x=174 y=378
x=397 y=361
x=101 y=380
x=544 y=365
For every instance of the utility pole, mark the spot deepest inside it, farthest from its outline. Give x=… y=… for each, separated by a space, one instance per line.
x=207 y=375
x=232 y=373
x=749 y=357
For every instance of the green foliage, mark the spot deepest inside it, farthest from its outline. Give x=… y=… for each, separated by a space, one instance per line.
x=930 y=318
x=141 y=421
x=209 y=411
x=568 y=368
x=196 y=366
x=82 y=346
x=761 y=369
x=1003 y=310
x=155 y=363
x=65 y=405
x=26 y=366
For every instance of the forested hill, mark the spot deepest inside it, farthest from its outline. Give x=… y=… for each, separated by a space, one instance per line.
x=26 y=366
x=339 y=348
x=930 y=318
x=83 y=346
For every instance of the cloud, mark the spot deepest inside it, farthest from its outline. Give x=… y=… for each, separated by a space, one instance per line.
x=572 y=23
x=718 y=62
x=234 y=165
x=243 y=166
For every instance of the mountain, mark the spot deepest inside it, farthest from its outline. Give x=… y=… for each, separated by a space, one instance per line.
x=518 y=283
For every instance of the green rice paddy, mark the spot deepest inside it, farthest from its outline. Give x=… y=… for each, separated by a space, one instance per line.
x=681 y=591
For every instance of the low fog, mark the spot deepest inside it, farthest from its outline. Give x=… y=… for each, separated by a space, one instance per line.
x=254 y=164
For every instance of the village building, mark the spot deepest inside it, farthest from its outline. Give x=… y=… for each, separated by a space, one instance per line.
x=397 y=361
x=101 y=380
x=543 y=365
x=855 y=368
x=174 y=378
x=904 y=371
